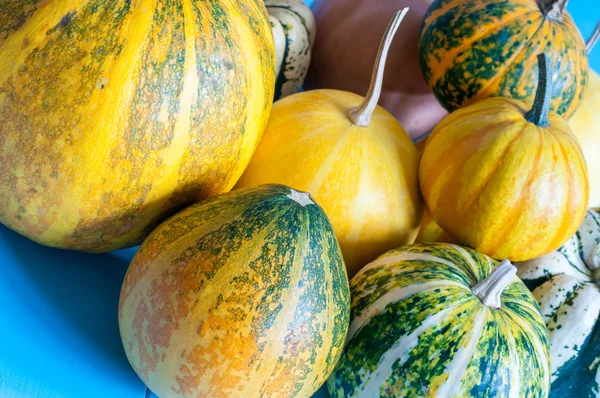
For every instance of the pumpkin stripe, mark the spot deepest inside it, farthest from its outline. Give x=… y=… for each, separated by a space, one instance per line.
x=327 y=164
x=402 y=349
x=20 y=43
x=390 y=297
x=166 y=181
x=125 y=72
x=458 y=366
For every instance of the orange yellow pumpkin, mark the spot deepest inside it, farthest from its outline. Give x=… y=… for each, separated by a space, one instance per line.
x=114 y=114
x=475 y=49
x=585 y=124
x=508 y=182
x=353 y=157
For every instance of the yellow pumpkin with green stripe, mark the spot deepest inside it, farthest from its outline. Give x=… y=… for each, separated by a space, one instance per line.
x=116 y=113
x=439 y=320
x=242 y=295
x=506 y=181
x=471 y=50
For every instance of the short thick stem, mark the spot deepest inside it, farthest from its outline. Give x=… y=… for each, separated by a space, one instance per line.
x=361 y=115
x=541 y=103
x=489 y=290
x=554 y=9
x=591 y=42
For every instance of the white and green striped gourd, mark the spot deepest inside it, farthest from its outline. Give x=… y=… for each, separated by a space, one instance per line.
x=440 y=320
x=294 y=31
x=566 y=286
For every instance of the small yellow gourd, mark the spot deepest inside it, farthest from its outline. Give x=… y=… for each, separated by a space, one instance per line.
x=356 y=161
x=585 y=124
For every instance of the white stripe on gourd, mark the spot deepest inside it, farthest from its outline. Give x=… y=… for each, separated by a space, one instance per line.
x=569 y=297
x=294 y=31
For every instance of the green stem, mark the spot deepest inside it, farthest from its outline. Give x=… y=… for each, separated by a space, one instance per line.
x=538 y=114
x=591 y=42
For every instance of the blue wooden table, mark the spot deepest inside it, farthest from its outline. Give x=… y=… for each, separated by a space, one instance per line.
x=58 y=310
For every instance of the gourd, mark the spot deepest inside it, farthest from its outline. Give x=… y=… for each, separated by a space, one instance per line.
x=470 y=50
x=505 y=181
x=244 y=294
x=565 y=284
x=439 y=320
x=294 y=33
x=585 y=124
x=346 y=48
x=353 y=157
x=115 y=114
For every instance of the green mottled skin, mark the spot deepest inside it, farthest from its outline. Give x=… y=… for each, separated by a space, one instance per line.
x=513 y=342
x=257 y=267
x=495 y=44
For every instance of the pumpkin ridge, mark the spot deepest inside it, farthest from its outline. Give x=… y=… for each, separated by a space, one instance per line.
x=327 y=165
x=126 y=71
x=567 y=212
x=475 y=194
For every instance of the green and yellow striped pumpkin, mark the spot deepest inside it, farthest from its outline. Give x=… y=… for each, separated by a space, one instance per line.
x=242 y=295
x=114 y=114
x=566 y=285
x=434 y=320
x=475 y=49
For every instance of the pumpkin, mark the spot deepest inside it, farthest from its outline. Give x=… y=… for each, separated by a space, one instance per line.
x=585 y=124
x=430 y=232
x=505 y=181
x=244 y=294
x=470 y=50
x=294 y=33
x=346 y=48
x=439 y=320
x=115 y=114
x=354 y=159
x=565 y=284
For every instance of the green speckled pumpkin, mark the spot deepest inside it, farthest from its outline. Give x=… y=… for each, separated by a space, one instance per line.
x=474 y=49
x=566 y=285
x=242 y=295
x=439 y=320
x=114 y=114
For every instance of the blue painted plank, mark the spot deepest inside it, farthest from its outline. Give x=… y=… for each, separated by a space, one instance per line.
x=59 y=335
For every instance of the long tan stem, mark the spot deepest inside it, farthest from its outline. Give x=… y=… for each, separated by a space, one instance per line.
x=361 y=115
x=591 y=42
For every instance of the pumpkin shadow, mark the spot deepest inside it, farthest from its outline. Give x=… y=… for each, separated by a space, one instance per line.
x=81 y=289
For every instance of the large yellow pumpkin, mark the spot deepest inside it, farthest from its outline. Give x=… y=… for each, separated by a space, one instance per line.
x=585 y=124
x=507 y=182
x=361 y=167
x=113 y=114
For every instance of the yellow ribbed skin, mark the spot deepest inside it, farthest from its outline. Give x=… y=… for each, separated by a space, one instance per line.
x=502 y=185
x=585 y=124
x=365 y=178
x=430 y=232
x=114 y=114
